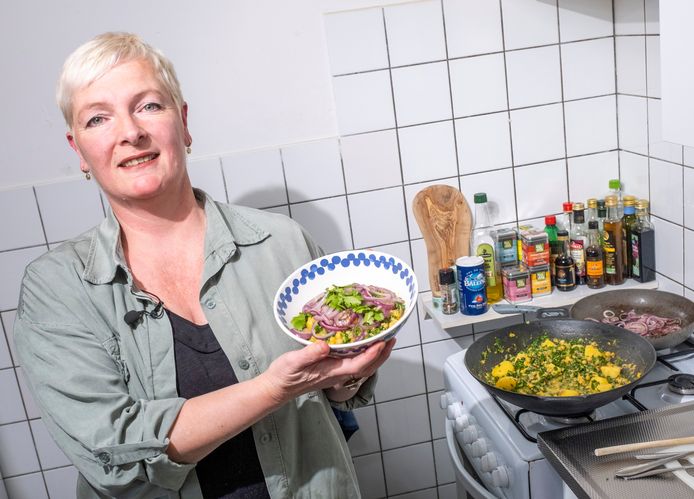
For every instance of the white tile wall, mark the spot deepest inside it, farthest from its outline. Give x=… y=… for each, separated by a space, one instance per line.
x=478 y=85
x=371 y=161
x=364 y=102
x=69 y=208
x=529 y=23
x=318 y=161
x=634 y=174
x=540 y=188
x=533 y=76
x=631 y=64
x=206 y=174
x=588 y=68
x=367 y=208
x=428 y=152
x=581 y=19
x=18 y=232
x=408 y=422
x=484 y=142
x=591 y=125
x=415 y=33
x=629 y=17
x=449 y=90
x=633 y=123
x=537 y=134
x=356 y=41
x=472 y=27
x=255 y=178
x=421 y=93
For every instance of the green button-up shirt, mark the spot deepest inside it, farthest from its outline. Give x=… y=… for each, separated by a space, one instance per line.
x=108 y=391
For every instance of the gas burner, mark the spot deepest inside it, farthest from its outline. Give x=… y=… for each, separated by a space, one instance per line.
x=682 y=384
x=571 y=420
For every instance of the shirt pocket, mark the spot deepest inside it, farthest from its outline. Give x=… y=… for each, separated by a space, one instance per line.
x=112 y=346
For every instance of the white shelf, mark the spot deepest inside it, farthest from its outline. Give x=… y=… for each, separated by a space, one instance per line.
x=556 y=299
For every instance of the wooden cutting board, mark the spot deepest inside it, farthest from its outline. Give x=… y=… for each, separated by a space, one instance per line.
x=445 y=220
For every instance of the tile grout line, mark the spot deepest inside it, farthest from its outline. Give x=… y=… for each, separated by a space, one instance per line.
x=563 y=108
x=508 y=112
x=616 y=83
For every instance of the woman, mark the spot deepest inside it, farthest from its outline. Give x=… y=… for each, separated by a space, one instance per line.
x=149 y=340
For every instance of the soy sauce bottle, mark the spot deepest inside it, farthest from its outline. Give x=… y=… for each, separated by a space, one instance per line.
x=565 y=277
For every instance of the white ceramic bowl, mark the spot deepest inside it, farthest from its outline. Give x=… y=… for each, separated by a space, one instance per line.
x=342 y=268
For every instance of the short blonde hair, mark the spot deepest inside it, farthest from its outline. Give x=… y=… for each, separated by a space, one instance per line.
x=93 y=59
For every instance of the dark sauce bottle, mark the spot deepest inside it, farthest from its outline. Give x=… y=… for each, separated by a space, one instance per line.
x=565 y=277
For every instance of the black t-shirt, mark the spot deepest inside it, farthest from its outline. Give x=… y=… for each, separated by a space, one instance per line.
x=232 y=470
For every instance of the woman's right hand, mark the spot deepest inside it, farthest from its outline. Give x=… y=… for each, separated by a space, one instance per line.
x=311 y=368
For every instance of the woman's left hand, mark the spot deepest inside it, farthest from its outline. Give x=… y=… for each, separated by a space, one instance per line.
x=311 y=368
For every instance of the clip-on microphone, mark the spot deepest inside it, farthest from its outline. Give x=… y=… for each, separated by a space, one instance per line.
x=132 y=317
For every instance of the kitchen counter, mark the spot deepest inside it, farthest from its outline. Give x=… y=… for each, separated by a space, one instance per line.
x=556 y=299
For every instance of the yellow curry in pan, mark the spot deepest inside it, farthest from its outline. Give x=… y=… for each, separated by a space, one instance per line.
x=551 y=367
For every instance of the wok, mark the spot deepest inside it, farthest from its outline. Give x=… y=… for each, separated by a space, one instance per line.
x=642 y=301
x=629 y=347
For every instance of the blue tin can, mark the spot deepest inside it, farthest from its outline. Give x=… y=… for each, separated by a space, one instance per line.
x=472 y=285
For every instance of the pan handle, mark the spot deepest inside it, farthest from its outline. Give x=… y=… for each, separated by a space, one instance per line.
x=505 y=308
x=539 y=312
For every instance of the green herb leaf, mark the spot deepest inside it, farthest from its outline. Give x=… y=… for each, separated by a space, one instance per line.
x=299 y=321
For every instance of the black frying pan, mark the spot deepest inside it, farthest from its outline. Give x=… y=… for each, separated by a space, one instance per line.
x=642 y=301
x=629 y=347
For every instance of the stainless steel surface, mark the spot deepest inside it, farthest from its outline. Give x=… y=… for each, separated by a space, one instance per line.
x=656 y=463
x=570 y=450
x=658 y=471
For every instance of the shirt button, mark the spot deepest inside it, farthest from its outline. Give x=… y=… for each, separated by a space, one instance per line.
x=244 y=364
x=210 y=304
x=104 y=458
x=266 y=438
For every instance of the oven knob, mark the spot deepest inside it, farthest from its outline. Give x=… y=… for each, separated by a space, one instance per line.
x=463 y=422
x=455 y=410
x=500 y=476
x=489 y=461
x=470 y=434
x=447 y=398
x=479 y=448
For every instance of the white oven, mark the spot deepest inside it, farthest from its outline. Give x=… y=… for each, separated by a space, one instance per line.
x=491 y=442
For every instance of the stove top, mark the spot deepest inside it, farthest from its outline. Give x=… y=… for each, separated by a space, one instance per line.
x=671 y=381
x=500 y=439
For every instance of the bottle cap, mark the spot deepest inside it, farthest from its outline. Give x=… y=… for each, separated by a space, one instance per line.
x=567 y=206
x=611 y=201
x=550 y=220
x=446 y=276
x=579 y=206
x=480 y=197
x=593 y=224
x=614 y=183
x=601 y=203
x=642 y=204
x=629 y=200
x=592 y=203
x=563 y=232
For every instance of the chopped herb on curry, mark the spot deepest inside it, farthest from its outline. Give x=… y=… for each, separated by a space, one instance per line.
x=551 y=367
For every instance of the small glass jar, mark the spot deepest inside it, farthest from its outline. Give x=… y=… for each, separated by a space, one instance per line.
x=450 y=304
x=516 y=284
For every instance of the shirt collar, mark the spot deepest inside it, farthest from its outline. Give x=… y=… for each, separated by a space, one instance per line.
x=224 y=232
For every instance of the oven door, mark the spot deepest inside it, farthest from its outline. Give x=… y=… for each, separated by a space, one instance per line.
x=465 y=480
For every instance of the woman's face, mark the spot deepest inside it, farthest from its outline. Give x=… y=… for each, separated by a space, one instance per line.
x=129 y=133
